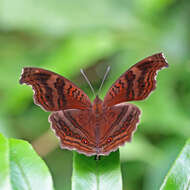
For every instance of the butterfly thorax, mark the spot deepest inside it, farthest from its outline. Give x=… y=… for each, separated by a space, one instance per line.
x=97 y=108
x=98 y=120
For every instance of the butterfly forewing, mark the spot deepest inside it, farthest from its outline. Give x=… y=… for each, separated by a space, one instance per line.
x=54 y=92
x=137 y=82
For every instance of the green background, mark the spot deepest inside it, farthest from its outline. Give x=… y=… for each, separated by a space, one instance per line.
x=65 y=36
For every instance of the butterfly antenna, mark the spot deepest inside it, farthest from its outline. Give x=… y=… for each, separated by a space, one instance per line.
x=87 y=81
x=106 y=74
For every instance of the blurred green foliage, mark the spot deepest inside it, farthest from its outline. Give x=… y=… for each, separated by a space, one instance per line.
x=64 y=36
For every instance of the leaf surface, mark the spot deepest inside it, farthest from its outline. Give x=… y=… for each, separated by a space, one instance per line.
x=96 y=174
x=21 y=168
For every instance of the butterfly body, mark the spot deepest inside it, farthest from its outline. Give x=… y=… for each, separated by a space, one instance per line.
x=100 y=127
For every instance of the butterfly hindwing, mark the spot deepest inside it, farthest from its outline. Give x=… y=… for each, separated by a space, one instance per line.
x=52 y=91
x=137 y=82
x=121 y=128
x=71 y=126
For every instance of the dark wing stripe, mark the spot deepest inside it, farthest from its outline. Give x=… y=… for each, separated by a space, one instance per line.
x=40 y=99
x=120 y=116
x=59 y=85
x=130 y=77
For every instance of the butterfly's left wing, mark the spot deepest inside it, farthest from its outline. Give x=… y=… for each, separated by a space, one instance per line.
x=54 y=92
x=137 y=82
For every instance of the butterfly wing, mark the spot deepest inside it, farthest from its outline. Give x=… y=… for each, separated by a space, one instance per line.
x=137 y=82
x=53 y=92
x=122 y=121
x=73 y=129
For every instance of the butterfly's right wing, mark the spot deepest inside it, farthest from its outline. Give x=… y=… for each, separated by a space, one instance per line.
x=53 y=92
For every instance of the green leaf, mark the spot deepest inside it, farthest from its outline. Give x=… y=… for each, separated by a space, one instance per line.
x=178 y=177
x=21 y=168
x=96 y=174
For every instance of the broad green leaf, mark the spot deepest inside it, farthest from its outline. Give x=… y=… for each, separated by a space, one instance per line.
x=92 y=174
x=178 y=177
x=21 y=168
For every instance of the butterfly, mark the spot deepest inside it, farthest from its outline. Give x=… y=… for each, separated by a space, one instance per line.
x=100 y=127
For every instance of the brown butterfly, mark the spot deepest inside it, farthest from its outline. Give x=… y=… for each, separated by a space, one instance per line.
x=100 y=127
